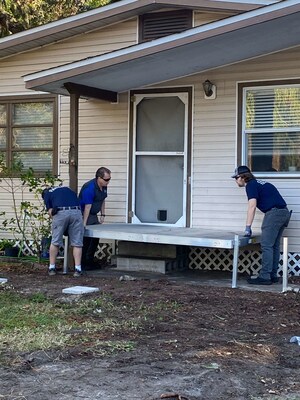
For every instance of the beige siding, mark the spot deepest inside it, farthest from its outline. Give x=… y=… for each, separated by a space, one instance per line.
x=103 y=127
x=216 y=200
x=201 y=18
x=103 y=141
x=90 y=44
x=11 y=192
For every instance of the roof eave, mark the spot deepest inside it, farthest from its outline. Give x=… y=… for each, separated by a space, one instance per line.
x=107 y=15
x=207 y=39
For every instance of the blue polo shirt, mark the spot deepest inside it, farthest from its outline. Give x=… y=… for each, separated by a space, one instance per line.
x=90 y=193
x=266 y=195
x=60 y=196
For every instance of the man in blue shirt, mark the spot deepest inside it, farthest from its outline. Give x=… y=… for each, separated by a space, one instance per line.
x=64 y=209
x=92 y=201
x=264 y=196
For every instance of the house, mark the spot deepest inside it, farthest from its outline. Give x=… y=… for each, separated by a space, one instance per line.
x=122 y=86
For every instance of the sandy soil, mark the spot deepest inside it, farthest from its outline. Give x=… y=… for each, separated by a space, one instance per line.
x=222 y=344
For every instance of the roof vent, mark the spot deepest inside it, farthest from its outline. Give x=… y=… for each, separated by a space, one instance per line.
x=155 y=25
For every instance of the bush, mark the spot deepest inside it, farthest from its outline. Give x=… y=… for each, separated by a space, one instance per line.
x=30 y=222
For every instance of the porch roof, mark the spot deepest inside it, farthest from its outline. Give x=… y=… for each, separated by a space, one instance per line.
x=235 y=39
x=107 y=15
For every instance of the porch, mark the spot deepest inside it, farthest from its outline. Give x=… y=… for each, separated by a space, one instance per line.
x=166 y=235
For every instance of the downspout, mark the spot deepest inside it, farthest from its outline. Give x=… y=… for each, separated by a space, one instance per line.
x=73 y=149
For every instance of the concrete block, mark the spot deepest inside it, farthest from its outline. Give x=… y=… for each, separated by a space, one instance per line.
x=3 y=280
x=141 y=264
x=152 y=250
x=80 y=290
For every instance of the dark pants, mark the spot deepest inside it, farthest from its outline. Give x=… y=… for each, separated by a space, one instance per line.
x=89 y=249
x=89 y=245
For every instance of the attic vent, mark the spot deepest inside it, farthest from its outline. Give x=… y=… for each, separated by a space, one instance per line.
x=156 y=25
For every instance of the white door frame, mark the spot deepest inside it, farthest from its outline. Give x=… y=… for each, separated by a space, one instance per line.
x=184 y=97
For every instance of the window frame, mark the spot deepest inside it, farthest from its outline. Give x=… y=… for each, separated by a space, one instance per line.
x=242 y=157
x=10 y=101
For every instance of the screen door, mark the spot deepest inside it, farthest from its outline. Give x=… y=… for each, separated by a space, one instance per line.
x=159 y=158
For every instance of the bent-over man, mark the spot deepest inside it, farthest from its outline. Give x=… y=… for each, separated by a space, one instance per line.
x=63 y=207
x=264 y=196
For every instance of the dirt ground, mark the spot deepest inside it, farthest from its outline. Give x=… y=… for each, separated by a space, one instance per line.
x=223 y=344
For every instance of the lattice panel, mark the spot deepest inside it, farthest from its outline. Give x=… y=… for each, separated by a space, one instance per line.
x=26 y=248
x=249 y=261
x=104 y=251
x=28 y=251
x=293 y=263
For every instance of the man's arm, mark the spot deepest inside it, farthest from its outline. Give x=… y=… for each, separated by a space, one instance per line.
x=251 y=211
x=86 y=213
x=102 y=216
x=103 y=208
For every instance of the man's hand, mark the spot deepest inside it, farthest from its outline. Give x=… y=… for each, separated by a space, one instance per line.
x=248 y=231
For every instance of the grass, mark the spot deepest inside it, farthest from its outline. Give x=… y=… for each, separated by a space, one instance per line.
x=99 y=326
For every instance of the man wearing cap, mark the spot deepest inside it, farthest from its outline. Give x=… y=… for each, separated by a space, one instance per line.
x=264 y=196
x=63 y=207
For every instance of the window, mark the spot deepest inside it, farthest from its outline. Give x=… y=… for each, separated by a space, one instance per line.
x=271 y=128
x=155 y=25
x=28 y=132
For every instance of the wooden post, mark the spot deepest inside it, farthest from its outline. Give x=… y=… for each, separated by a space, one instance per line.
x=73 y=150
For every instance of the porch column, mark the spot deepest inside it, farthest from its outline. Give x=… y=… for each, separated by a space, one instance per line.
x=73 y=150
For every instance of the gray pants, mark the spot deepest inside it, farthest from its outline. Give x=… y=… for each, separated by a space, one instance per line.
x=274 y=223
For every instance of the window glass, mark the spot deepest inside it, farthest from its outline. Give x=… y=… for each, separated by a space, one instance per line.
x=28 y=132
x=35 y=137
x=2 y=114
x=39 y=161
x=272 y=129
x=32 y=113
x=2 y=158
x=2 y=138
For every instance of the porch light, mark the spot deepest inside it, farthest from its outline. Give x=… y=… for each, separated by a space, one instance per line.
x=210 y=90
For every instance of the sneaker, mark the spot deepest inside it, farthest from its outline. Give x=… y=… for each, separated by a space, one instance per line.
x=77 y=273
x=259 y=281
x=52 y=272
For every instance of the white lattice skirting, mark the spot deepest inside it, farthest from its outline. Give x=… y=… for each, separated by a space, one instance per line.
x=104 y=251
x=249 y=261
x=207 y=258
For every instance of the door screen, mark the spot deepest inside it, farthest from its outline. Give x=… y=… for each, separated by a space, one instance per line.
x=159 y=159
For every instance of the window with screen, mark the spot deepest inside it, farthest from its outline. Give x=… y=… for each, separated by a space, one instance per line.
x=271 y=129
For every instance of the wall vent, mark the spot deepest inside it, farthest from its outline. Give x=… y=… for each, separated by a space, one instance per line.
x=155 y=25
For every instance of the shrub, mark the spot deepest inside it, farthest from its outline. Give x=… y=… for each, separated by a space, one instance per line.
x=29 y=221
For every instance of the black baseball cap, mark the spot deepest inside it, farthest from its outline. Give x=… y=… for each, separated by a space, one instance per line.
x=242 y=169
